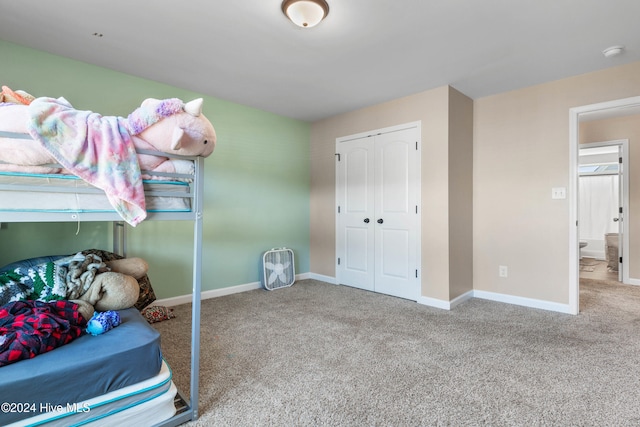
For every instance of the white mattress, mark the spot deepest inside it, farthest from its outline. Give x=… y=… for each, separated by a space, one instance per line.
x=143 y=404
x=67 y=193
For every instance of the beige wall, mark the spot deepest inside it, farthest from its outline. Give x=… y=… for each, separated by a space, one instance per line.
x=521 y=151
x=433 y=109
x=460 y=194
x=627 y=127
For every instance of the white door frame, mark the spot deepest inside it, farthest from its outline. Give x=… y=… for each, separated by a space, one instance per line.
x=418 y=126
x=623 y=275
x=610 y=107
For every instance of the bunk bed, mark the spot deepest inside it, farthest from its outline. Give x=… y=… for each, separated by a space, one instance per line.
x=119 y=377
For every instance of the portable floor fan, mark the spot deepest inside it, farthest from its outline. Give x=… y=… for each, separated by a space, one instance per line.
x=278 y=269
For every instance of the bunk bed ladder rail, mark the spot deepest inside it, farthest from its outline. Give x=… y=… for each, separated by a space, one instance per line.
x=119 y=238
x=197 y=286
x=190 y=413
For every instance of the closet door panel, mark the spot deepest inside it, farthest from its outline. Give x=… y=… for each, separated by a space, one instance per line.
x=357 y=241
x=394 y=254
x=358 y=188
x=396 y=217
x=392 y=176
x=355 y=192
x=377 y=222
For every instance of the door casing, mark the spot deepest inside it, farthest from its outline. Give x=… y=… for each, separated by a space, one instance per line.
x=417 y=184
x=623 y=244
x=610 y=109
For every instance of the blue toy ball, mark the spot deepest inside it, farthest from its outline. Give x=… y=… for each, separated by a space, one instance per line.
x=102 y=322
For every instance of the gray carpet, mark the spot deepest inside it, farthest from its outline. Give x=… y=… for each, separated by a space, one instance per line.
x=319 y=354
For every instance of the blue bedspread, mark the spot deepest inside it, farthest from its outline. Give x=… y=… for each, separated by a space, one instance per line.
x=87 y=367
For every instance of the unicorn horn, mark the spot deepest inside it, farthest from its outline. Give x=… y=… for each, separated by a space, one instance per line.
x=194 y=107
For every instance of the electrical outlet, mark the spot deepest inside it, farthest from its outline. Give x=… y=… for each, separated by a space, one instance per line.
x=503 y=271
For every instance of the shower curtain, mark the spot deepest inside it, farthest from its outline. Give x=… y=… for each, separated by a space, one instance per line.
x=598 y=206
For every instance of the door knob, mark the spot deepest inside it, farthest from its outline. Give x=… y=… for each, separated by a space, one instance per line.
x=380 y=221
x=616 y=219
x=366 y=220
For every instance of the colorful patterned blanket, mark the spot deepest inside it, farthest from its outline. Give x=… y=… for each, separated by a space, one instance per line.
x=29 y=328
x=93 y=147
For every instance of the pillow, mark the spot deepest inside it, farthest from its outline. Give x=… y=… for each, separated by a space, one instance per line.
x=157 y=313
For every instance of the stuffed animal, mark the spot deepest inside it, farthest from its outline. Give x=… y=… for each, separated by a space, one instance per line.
x=117 y=288
x=15 y=97
x=168 y=126
x=102 y=322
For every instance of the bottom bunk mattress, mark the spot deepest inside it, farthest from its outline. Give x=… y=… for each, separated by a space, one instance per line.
x=143 y=404
x=68 y=193
x=87 y=367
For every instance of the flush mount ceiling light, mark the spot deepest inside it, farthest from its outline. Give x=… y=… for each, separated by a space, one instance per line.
x=612 y=51
x=305 y=13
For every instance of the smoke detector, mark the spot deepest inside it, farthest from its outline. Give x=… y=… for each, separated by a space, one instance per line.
x=612 y=51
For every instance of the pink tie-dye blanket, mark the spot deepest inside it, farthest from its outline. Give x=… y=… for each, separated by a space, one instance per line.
x=93 y=147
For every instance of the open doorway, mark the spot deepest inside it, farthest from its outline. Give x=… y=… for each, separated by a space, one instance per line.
x=617 y=108
x=603 y=200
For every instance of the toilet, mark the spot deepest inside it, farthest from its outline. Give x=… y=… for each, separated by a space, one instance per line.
x=583 y=243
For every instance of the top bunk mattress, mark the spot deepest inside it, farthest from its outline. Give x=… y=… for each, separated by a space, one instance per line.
x=86 y=367
x=21 y=192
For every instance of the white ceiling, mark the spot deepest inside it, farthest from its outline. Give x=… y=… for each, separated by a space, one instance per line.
x=365 y=52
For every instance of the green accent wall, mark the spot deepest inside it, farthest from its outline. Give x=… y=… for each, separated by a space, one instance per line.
x=256 y=181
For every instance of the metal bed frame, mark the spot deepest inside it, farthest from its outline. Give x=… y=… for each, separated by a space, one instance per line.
x=188 y=410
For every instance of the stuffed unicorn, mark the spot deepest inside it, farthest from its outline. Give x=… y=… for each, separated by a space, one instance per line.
x=182 y=129
x=169 y=126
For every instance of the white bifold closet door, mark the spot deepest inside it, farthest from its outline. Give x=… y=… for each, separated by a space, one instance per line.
x=377 y=216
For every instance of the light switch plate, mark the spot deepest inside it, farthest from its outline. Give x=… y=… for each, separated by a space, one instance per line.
x=559 y=193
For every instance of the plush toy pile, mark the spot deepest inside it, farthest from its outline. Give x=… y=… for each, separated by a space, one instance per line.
x=82 y=279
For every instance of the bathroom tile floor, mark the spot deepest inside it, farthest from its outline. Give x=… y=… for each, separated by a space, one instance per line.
x=591 y=268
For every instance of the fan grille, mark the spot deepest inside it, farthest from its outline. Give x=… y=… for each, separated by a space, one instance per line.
x=278 y=268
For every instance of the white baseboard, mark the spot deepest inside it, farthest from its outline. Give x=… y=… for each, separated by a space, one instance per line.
x=434 y=302
x=214 y=293
x=323 y=278
x=303 y=276
x=492 y=296
x=445 y=305
x=522 y=301
x=462 y=298
x=431 y=302
x=448 y=305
